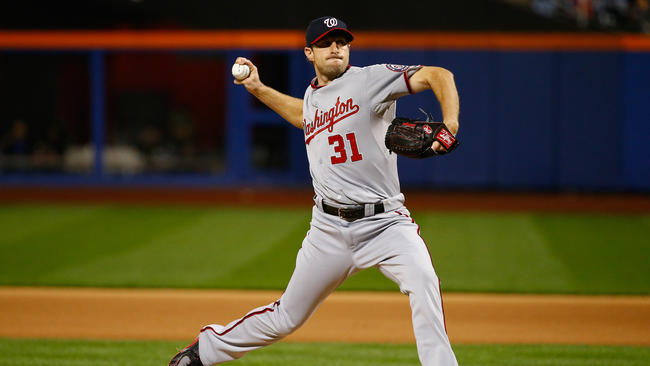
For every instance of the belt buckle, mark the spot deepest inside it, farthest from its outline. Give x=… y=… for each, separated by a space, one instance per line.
x=346 y=215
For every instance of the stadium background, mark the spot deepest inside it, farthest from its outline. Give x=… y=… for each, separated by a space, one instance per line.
x=110 y=108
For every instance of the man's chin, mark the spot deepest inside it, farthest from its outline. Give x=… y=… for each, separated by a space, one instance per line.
x=333 y=71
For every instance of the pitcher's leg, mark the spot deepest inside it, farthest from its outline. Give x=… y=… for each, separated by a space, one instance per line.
x=318 y=272
x=421 y=285
x=408 y=263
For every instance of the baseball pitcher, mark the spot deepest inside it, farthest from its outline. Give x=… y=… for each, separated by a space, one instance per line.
x=359 y=220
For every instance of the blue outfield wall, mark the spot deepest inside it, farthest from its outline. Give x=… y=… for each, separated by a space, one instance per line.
x=636 y=126
x=531 y=120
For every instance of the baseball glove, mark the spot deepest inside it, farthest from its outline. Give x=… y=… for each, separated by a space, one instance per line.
x=413 y=138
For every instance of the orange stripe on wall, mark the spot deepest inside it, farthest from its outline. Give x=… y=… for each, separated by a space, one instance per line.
x=150 y=39
x=292 y=39
x=503 y=41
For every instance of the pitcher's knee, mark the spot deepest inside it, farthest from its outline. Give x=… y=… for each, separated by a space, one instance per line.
x=286 y=329
x=422 y=281
x=288 y=324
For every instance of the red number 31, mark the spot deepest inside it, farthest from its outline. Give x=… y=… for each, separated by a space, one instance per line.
x=339 y=148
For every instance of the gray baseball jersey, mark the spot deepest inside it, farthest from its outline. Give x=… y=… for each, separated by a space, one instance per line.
x=344 y=125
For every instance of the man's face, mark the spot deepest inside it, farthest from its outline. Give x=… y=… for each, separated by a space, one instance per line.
x=330 y=55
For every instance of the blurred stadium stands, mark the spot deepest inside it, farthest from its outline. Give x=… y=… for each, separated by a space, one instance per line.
x=538 y=113
x=602 y=15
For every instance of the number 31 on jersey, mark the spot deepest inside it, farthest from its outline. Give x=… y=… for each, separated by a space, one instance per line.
x=340 y=153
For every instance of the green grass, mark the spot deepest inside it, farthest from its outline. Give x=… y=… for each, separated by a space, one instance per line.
x=144 y=353
x=540 y=252
x=228 y=247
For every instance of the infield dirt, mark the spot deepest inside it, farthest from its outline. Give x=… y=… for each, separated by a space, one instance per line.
x=367 y=317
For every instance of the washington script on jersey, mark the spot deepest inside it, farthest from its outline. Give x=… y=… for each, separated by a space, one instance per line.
x=326 y=119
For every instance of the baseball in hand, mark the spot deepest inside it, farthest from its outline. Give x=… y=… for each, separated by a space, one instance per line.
x=240 y=72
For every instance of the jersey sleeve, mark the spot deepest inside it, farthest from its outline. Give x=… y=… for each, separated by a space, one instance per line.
x=387 y=82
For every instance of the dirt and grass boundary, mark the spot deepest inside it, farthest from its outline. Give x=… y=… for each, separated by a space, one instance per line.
x=300 y=197
x=354 y=317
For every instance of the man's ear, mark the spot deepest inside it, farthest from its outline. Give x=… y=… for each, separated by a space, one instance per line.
x=309 y=53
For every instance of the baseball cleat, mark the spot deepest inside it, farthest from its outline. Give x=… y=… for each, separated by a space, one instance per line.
x=188 y=356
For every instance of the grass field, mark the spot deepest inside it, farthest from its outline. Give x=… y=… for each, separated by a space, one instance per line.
x=256 y=248
x=147 y=353
x=227 y=247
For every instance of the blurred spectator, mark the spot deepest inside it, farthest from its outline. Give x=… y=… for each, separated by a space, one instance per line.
x=627 y=15
x=150 y=139
x=547 y=8
x=172 y=149
x=16 y=142
x=16 y=147
x=611 y=13
x=118 y=159
x=640 y=12
x=583 y=12
x=150 y=142
x=181 y=141
x=48 y=151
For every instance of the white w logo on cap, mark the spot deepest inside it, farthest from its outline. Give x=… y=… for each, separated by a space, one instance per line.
x=331 y=22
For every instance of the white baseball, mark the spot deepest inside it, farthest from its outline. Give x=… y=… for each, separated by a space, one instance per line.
x=240 y=72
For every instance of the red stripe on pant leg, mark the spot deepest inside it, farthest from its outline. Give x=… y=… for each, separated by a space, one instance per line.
x=442 y=305
x=241 y=320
